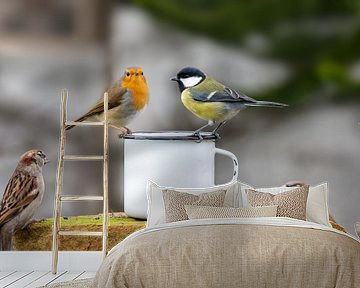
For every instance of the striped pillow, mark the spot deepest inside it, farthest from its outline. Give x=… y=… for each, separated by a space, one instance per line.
x=201 y=212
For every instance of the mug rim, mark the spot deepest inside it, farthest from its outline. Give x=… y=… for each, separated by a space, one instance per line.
x=169 y=135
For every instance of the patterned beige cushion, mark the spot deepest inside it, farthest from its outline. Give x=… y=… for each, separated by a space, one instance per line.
x=290 y=204
x=175 y=201
x=317 y=204
x=156 y=207
x=200 y=212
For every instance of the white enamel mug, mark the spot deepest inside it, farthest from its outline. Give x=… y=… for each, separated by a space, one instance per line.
x=174 y=159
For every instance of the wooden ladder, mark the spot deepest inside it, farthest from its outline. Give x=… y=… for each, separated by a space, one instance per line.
x=59 y=181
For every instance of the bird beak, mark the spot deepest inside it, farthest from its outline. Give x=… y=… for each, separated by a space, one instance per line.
x=46 y=160
x=174 y=79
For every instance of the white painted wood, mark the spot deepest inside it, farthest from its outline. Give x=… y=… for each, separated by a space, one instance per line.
x=12 y=278
x=90 y=261
x=46 y=279
x=68 y=276
x=28 y=279
x=86 y=275
x=41 y=261
x=3 y=274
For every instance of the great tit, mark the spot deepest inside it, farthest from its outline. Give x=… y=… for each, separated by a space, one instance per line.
x=212 y=101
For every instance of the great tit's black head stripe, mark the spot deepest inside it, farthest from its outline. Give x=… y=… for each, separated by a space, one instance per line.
x=190 y=77
x=188 y=72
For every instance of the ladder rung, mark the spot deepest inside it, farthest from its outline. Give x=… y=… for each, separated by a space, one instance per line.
x=80 y=233
x=81 y=198
x=83 y=157
x=84 y=123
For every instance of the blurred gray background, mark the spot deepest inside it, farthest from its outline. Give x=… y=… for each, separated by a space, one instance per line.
x=84 y=45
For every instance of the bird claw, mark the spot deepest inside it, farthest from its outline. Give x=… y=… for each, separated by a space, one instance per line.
x=124 y=131
x=197 y=134
x=216 y=135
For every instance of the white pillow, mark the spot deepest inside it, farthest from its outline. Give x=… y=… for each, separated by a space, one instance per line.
x=156 y=207
x=317 y=209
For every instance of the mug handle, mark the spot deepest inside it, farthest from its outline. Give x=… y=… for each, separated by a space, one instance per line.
x=234 y=161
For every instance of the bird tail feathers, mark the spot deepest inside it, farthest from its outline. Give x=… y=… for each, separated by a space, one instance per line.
x=266 y=104
x=68 y=127
x=1 y=239
x=6 y=234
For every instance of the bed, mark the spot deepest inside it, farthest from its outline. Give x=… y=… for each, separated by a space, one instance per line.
x=232 y=252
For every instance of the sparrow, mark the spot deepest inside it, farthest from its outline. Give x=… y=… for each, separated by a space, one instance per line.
x=212 y=101
x=22 y=197
x=127 y=98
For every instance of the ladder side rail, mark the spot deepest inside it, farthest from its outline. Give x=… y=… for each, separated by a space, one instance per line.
x=105 y=176
x=59 y=181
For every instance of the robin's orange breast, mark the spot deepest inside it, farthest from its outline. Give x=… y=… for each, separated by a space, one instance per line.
x=140 y=92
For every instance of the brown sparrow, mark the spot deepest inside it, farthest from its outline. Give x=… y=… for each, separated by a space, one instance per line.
x=22 y=197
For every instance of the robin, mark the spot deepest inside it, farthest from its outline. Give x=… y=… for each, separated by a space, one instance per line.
x=127 y=98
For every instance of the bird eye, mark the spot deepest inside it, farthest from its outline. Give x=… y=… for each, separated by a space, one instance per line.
x=142 y=73
x=127 y=73
x=137 y=74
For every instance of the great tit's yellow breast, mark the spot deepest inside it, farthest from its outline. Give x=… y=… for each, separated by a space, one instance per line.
x=204 y=110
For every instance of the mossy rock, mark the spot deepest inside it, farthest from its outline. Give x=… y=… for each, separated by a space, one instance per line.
x=38 y=235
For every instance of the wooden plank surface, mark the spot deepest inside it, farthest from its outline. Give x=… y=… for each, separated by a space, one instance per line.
x=46 y=279
x=87 y=275
x=32 y=279
x=28 y=279
x=13 y=277
x=68 y=276
x=3 y=274
x=41 y=261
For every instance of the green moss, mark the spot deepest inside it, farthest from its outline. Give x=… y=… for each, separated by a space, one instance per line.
x=88 y=220
x=38 y=235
